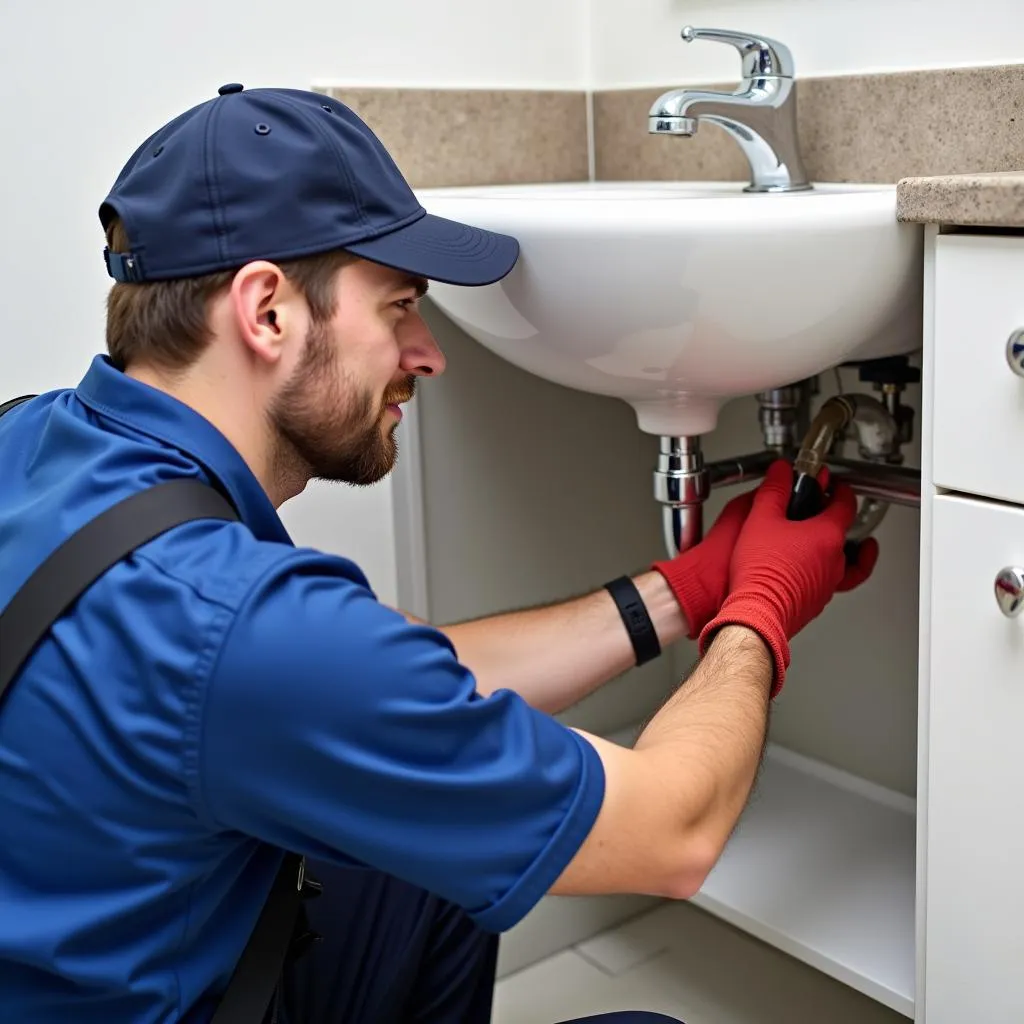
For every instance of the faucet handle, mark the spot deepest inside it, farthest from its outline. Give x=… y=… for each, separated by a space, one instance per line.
x=762 y=57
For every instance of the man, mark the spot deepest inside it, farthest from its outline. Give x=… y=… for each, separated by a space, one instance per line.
x=221 y=696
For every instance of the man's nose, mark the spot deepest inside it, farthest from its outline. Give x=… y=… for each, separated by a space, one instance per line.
x=420 y=352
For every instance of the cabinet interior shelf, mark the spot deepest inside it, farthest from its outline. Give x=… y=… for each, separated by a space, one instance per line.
x=822 y=866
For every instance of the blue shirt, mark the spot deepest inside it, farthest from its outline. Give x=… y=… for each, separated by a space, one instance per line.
x=218 y=696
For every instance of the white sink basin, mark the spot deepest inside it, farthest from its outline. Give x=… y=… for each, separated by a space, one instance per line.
x=677 y=297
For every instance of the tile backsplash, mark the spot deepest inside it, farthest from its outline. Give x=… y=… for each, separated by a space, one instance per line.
x=872 y=127
x=477 y=136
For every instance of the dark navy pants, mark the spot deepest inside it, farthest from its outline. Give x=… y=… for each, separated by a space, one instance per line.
x=394 y=954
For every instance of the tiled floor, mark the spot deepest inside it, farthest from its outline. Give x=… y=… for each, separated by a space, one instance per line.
x=683 y=962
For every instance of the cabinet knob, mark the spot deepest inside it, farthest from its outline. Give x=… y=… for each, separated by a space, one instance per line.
x=1010 y=591
x=1015 y=351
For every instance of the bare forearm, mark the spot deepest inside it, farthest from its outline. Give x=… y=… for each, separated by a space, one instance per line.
x=555 y=656
x=710 y=735
x=671 y=803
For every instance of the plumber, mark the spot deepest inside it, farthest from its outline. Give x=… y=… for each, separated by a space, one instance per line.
x=218 y=704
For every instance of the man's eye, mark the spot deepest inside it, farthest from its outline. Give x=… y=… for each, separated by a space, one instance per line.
x=409 y=303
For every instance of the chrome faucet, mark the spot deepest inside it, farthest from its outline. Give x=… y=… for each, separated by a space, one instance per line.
x=760 y=115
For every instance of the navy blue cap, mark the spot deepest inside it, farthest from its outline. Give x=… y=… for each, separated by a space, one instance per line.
x=276 y=174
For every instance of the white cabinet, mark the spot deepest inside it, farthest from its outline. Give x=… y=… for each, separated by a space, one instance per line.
x=971 y=896
x=975 y=896
x=979 y=400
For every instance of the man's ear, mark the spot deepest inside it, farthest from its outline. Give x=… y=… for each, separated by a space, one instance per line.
x=264 y=305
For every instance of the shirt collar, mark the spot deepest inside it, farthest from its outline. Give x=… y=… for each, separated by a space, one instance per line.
x=108 y=391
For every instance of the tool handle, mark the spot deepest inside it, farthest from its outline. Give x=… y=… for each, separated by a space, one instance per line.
x=807 y=500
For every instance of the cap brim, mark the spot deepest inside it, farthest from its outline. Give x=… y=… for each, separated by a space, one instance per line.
x=443 y=250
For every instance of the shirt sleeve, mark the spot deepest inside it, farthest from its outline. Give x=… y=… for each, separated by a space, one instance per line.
x=334 y=728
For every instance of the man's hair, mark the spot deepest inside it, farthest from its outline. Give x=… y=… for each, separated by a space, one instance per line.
x=164 y=323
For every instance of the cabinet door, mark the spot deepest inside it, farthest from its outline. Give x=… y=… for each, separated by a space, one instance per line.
x=974 y=950
x=979 y=398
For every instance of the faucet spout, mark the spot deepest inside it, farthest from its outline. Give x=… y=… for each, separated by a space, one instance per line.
x=760 y=115
x=691 y=104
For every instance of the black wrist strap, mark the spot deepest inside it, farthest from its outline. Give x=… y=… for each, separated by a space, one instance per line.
x=635 y=618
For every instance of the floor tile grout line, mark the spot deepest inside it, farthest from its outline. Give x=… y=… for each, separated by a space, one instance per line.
x=593 y=962
x=610 y=972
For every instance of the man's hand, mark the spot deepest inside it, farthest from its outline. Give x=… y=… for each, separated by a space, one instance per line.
x=699 y=577
x=784 y=573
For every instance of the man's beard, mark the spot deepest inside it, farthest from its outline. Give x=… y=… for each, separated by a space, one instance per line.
x=330 y=425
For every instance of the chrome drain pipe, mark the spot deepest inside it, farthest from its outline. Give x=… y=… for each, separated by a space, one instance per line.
x=728 y=472
x=683 y=481
x=896 y=485
x=681 y=484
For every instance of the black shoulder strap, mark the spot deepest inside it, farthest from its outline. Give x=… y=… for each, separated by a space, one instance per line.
x=52 y=590
x=89 y=553
x=8 y=406
x=258 y=971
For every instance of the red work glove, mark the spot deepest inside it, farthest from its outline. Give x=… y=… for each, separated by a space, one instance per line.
x=784 y=573
x=857 y=572
x=699 y=576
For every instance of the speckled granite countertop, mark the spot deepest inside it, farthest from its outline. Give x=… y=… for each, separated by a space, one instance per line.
x=985 y=200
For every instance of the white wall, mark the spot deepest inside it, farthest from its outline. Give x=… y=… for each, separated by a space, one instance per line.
x=84 y=82
x=636 y=42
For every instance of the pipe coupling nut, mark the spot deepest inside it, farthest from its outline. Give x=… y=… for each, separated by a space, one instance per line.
x=675 y=487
